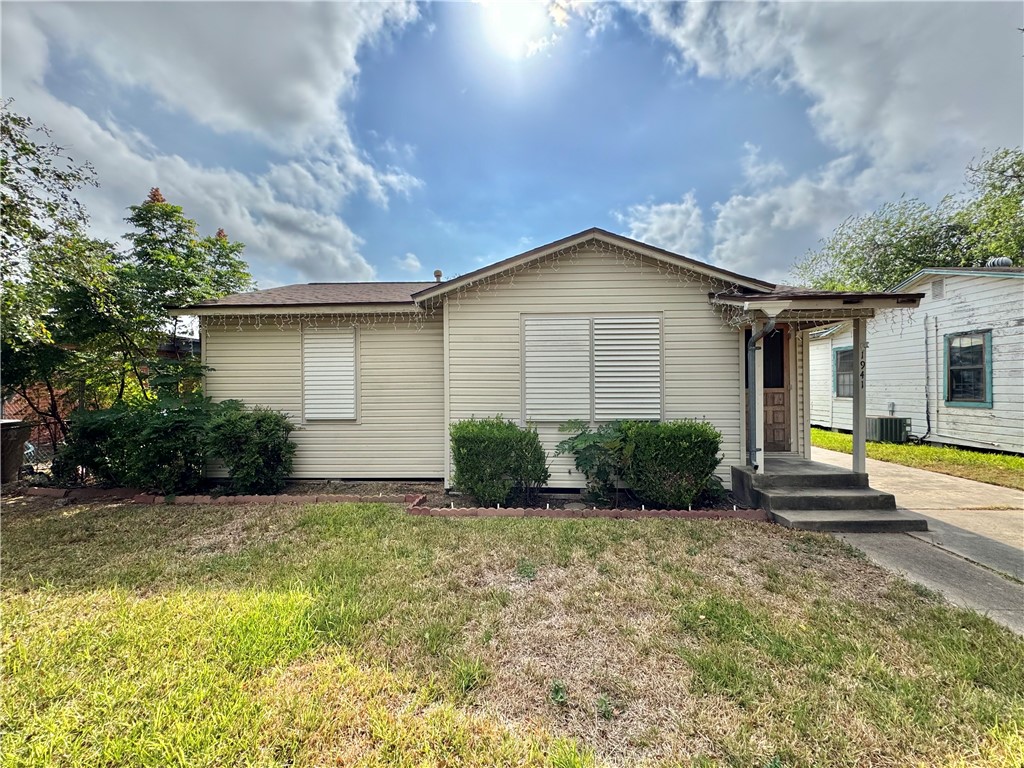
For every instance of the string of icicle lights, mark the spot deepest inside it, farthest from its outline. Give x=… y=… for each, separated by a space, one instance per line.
x=634 y=267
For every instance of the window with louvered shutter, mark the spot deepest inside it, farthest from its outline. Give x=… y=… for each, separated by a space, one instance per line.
x=627 y=368
x=556 y=368
x=592 y=368
x=329 y=373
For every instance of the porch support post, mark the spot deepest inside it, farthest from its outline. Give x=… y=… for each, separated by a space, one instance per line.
x=860 y=421
x=757 y=399
x=805 y=427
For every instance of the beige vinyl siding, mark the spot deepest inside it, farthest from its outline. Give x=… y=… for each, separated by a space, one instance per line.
x=821 y=382
x=700 y=364
x=799 y=393
x=399 y=430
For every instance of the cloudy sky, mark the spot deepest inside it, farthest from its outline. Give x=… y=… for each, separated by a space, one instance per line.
x=382 y=141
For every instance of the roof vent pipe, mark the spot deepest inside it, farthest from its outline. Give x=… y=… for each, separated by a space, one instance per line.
x=437 y=275
x=999 y=261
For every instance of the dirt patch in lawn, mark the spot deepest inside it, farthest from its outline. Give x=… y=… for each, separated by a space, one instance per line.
x=597 y=652
x=247 y=525
x=434 y=491
x=573 y=655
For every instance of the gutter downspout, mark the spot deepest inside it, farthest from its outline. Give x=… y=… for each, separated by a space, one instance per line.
x=751 y=386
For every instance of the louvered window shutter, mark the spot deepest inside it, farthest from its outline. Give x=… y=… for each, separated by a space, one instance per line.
x=556 y=361
x=329 y=373
x=627 y=368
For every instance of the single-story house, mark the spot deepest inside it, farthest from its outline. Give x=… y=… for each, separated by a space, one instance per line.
x=954 y=368
x=595 y=326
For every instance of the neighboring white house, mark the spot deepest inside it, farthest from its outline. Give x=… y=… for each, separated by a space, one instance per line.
x=954 y=367
x=595 y=326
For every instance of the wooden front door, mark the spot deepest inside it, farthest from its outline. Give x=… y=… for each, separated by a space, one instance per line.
x=776 y=419
x=776 y=392
x=776 y=381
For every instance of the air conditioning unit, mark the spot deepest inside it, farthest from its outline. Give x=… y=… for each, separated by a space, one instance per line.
x=888 y=429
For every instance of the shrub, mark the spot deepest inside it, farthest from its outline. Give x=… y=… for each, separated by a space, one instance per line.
x=254 y=446
x=495 y=459
x=667 y=464
x=157 y=446
x=598 y=455
x=164 y=445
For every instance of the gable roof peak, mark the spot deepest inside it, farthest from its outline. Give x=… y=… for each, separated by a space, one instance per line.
x=581 y=239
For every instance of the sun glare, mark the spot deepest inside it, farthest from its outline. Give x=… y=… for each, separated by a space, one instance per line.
x=516 y=30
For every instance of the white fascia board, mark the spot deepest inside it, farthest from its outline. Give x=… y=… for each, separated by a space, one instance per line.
x=318 y=309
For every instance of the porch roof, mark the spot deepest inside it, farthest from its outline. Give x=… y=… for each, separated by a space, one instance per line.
x=808 y=307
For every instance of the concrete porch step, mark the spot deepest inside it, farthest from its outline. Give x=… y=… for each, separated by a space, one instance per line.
x=837 y=479
x=777 y=499
x=851 y=520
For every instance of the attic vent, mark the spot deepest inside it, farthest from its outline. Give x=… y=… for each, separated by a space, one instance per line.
x=939 y=288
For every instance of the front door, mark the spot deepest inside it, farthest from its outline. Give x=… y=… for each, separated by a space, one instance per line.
x=776 y=392
x=777 y=412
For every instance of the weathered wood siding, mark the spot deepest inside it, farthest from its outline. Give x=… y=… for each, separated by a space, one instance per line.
x=906 y=364
x=399 y=432
x=700 y=361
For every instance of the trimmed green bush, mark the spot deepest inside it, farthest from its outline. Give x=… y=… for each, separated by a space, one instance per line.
x=156 y=446
x=164 y=445
x=496 y=460
x=668 y=464
x=254 y=446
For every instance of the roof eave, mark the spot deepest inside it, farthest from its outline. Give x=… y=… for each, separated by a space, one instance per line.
x=581 y=237
x=297 y=309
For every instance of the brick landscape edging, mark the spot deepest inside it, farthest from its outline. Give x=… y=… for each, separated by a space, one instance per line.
x=132 y=494
x=414 y=500
x=758 y=515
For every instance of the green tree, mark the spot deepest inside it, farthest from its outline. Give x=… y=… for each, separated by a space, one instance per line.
x=82 y=318
x=169 y=264
x=994 y=218
x=880 y=249
x=39 y=214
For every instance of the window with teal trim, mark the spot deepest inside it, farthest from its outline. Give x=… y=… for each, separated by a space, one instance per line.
x=969 y=369
x=842 y=371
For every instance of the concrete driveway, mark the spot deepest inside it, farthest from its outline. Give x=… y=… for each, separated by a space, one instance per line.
x=974 y=551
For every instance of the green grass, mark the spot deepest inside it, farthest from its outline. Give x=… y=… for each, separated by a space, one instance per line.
x=358 y=635
x=996 y=468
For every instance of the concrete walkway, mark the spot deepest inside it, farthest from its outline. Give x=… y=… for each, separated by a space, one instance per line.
x=986 y=510
x=975 y=546
x=962 y=583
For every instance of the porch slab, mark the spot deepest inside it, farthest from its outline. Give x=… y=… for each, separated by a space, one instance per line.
x=851 y=520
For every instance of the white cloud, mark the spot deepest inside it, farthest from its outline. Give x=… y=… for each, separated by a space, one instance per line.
x=906 y=84
x=906 y=94
x=677 y=227
x=232 y=74
x=275 y=70
x=758 y=173
x=760 y=233
x=409 y=263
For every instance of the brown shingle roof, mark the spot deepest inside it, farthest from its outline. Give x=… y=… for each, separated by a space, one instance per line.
x=318 y=294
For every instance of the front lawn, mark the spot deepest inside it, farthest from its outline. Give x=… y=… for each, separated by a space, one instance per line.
x=996 y=468
x=357 y=635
